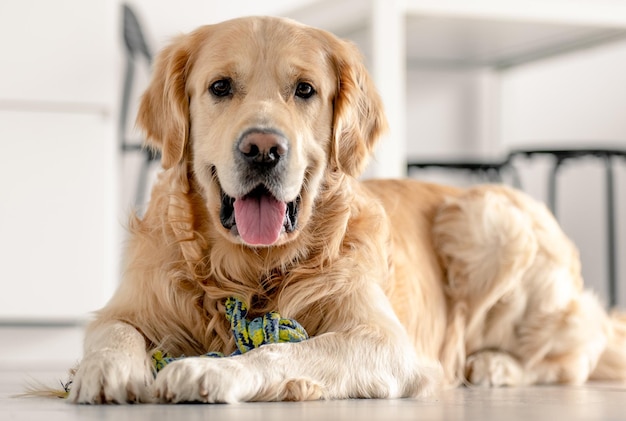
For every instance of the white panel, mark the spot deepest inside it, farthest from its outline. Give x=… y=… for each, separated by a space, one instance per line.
x=56 y=217
x=389 y=64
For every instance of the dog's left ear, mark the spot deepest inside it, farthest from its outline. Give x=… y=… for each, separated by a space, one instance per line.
x=359 y=119
x=164 y=108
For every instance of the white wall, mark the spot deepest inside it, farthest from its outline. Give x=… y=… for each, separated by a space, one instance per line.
x=579 y=97
x=444 y=113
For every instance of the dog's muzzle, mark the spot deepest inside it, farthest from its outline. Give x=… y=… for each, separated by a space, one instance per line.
x=259 y=217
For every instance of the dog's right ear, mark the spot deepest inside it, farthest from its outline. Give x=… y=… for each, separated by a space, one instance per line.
x=164 y=108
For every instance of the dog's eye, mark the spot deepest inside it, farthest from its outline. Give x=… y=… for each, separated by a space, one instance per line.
x=221 y=88
x=304 y=90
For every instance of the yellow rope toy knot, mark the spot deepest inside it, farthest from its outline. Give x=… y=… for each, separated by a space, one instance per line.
x=268 y=329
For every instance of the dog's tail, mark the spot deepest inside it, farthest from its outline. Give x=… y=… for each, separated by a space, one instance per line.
x=38 y=389
x=612 y=363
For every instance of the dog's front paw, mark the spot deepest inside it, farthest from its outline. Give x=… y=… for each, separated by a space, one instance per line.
x=110 y=376
x=204 y=379
x=493 y=369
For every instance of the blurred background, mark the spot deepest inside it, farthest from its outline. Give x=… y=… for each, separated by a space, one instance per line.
x=528 y=92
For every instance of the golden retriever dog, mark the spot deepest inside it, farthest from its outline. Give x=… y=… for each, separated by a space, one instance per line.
x=264 y=126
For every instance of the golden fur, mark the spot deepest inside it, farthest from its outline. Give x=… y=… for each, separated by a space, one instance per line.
x=402 y=285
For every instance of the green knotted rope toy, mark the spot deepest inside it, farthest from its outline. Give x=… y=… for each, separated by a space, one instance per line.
x=269 y=329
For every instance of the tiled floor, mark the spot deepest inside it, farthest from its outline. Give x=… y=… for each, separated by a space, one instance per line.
x=591 y=402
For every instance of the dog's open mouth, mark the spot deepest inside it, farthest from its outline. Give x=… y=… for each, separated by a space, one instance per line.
x=258 y=217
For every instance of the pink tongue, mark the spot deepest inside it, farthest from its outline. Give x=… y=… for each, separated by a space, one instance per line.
x=260 y=219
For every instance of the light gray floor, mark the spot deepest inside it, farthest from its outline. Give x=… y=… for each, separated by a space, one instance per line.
x=590 y=402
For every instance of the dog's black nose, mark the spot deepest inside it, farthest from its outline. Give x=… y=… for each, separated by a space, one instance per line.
x=264 y=148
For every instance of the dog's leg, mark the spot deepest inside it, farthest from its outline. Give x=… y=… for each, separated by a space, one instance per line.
x=332 y=366
x=115 y=367
x=564 y=345
x=366 y=357
x=612 y=364
x=499 y=368
x=486 y=244
x=560 y=346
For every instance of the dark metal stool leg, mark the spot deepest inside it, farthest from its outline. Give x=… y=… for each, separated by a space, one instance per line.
x=610 y=228
x=552 y=186
x=517 y=182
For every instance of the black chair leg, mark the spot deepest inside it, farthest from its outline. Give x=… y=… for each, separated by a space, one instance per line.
x=142 y=180
x=552 y=185
x=610 y=228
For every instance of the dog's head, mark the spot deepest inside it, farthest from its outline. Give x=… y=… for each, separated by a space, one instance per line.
x=257 y=110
